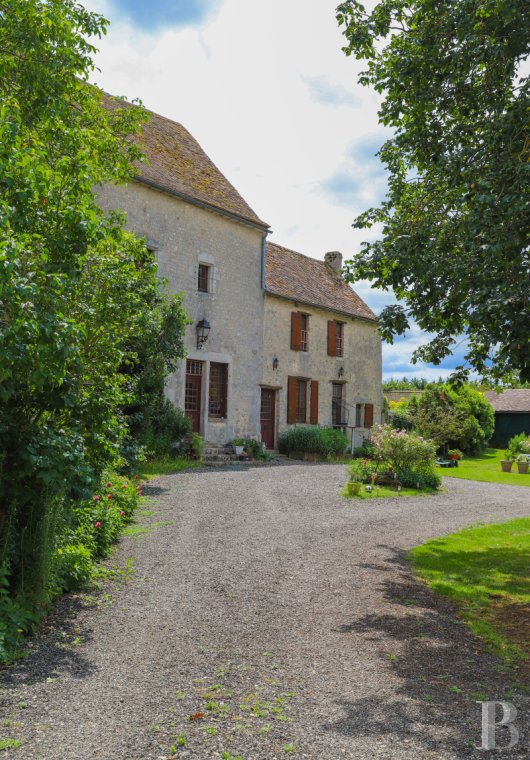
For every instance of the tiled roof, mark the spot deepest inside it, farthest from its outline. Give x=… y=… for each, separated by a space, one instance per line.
x=300 y=278
x=178 y=164
x=511 y=400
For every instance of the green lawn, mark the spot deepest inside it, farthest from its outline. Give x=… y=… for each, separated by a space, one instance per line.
x=486 y=467
x=484 y=570
x=156 y=467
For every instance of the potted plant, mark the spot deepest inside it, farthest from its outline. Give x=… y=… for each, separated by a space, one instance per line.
x=507 y=462
x=238 y=444
x=522 y=464
x=454 y=454
x=518 y=447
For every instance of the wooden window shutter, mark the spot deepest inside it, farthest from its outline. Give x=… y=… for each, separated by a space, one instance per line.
x=332 y=338
x=368 y=415
x=296 y=330
x=313 y=416
x=291 y=400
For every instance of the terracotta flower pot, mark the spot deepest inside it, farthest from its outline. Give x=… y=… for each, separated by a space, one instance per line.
x=506 y=465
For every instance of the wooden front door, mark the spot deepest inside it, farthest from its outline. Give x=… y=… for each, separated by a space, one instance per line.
x=192 y=398
x=268 y=416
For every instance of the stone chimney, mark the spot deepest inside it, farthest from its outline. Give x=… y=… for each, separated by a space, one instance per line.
x=333 y=260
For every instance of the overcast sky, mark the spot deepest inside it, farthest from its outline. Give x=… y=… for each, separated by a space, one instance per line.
x=267 y=91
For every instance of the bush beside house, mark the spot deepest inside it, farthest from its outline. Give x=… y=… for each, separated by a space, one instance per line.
x=322 y=443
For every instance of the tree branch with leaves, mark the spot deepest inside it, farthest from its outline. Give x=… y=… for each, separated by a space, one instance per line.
x=455 y=240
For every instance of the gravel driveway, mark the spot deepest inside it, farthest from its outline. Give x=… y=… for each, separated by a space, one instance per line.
x=279 y=615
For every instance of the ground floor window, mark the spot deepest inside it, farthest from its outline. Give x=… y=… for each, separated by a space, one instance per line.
x=301 y=401
x=337 y=405
x=218 y=392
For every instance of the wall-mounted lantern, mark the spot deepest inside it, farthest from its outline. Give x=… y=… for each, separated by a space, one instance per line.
x=275 y=363
x=341 y=371
x=203 y=330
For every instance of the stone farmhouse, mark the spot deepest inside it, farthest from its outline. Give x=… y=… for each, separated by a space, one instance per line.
x=277 y=338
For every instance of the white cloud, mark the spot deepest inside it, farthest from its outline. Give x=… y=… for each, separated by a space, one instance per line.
x=243 y=82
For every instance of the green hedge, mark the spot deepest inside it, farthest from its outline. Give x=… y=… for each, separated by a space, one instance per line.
x=327 y=442
x=84 y=534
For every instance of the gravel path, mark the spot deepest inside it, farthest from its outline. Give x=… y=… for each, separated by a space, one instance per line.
x=283 y=613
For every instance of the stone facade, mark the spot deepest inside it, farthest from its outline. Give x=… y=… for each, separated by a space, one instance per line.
x=184 y=235
x=211 y=246
x=358 y=370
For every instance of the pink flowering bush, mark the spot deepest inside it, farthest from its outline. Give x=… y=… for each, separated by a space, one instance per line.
x=400 y=449
x=95 y=525
x=405 y=456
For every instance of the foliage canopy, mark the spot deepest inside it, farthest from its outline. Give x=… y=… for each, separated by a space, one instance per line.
x=79 y=295
x=455 y=242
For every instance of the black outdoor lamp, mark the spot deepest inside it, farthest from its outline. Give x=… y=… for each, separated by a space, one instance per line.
x=341 y=371
x=275 y=363
x=203 y=330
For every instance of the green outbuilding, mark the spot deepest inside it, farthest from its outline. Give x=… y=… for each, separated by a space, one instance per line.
x=512 y=414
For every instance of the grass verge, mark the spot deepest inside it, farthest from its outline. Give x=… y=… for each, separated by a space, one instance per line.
x=157 y=467
x=486 y=468
x=484 y=571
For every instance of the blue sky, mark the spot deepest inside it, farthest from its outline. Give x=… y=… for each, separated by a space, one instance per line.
x=267 y=91
x=154 y=15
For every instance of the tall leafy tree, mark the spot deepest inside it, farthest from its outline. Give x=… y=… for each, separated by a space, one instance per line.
x=77 y=292
x=455 y=224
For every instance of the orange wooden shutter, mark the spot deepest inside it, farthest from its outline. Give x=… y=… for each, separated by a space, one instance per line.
x=332 y=338
x=368 y=415
x=291 y=400
x=313 y=417
x=296 y=330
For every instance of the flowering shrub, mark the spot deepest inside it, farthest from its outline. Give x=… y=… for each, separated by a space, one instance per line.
x=93 y=527
x=402 y=450
x=99 y=520
x=406 y=457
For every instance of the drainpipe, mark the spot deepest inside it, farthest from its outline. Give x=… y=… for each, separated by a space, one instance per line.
x=263 y=245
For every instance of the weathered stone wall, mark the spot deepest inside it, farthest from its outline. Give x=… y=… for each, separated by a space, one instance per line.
x=361 y=362
x=184 y=235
